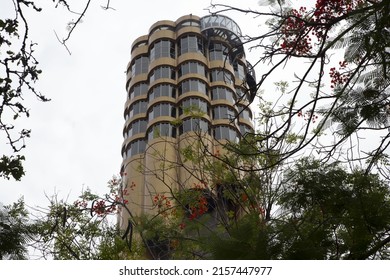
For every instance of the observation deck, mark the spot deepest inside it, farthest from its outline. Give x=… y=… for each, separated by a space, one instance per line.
x=228 y=29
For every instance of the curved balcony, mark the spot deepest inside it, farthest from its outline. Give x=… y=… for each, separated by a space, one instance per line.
x=224 y=27
x=228 y=29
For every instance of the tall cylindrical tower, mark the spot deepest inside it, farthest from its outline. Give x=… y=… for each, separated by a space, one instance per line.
x=187 y=82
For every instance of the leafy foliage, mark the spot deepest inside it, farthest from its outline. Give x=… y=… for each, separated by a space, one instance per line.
x=323 y=212
x=15 y=231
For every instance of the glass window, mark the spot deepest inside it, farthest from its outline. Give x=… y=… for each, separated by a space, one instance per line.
x=244 y=129
x=162 y=72
x=137 y=108
x=239 y=71
x=192 y=85
x=136 y=127
x=162 y=109
x=140 y=66
x=191 y=43
x=163 y=48
x=136 y=147
x=194 y=124
x=221 y=75
x=218 y=51
x=241 y=94
x=140 y=44
x=223 y=112
x=193 y=68
x=138 y=90
x=162 y=27
x=195 y=105
x=222 y=93
x=188 y=23
x=225 y=132
x=162 y=129
x=244 y=113
x=162 y=90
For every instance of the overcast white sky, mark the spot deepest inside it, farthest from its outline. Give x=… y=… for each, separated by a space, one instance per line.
x=77 y=137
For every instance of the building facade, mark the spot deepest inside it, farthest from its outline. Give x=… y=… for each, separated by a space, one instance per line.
x=187 y=82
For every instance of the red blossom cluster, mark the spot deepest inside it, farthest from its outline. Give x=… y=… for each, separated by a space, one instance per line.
x=120 y=200
x=182 y=226
x=201 y=185
x=100 y=208
x=199 y=208
x=308 y=116
x=300 y=24
x=329 y=9
x=295 y=37
x=338 y=78
x=80 y=204
x=162 y=202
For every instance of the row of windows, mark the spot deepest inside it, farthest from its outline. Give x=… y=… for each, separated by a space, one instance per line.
x=186 y=23
x=186 y=44
x=169 y=90
x=167 y=129
x=192 y=105
x=168 y=72
x=220 y=132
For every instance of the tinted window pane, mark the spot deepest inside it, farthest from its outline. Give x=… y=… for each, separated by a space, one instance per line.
x=222 y=93
x=219 y=75
x=162 y=90
x=225 y=132
x=192 y=85
x=218 y=51
x=193 y=68
x=162 y=130
x=195 y=105
x=191 y=43
x=138 y=90
x=166 y=72
x=194 y=124
x=140 y=66
x=162 y=48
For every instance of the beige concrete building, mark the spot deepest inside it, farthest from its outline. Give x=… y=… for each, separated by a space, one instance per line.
x=188 y=82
